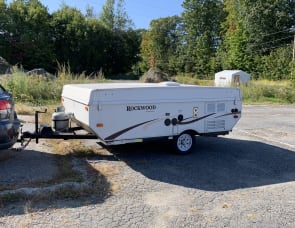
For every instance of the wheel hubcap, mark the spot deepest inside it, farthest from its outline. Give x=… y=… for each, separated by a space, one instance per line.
x=184 y=142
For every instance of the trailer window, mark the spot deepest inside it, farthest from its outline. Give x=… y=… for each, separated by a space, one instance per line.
x=210 y=107
x=221 y=107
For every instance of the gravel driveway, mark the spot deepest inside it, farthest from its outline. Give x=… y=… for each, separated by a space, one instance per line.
x=245 y=179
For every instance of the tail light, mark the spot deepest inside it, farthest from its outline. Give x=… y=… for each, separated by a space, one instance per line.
x=5 y=109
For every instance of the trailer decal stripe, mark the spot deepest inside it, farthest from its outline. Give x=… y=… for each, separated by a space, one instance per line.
x=117 y=134
x=228 y=114
x=195 y=120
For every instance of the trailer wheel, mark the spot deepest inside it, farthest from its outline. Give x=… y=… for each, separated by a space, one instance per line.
x=184 y=143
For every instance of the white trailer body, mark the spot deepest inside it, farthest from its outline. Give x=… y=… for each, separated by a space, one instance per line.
x=120 y=113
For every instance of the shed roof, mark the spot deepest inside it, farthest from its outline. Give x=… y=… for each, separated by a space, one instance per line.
x=232 y=72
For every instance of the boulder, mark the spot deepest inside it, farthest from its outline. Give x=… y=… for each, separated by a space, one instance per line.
x=154 y=75
x=42 y=73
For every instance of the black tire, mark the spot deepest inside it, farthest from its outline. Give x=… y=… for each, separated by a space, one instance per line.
x=184 y=143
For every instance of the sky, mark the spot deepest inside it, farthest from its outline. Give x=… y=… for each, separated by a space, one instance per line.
x=141 y=12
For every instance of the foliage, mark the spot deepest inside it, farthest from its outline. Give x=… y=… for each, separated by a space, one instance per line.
x=275 y=66
x=159 y=47
x=256 y=37
x=268 y=24
x=69 y=28
x=33 y=38
x=114 y=16
x=107 y=16
x=234 y=43
x=25 y=37
x=203 y=27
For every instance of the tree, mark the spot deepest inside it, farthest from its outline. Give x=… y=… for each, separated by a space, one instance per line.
x=69 y=29
x=5 y=50
x=107 y=16
x=254 y=30
x=93 y=54
x=27 y=34
x=268 y=24
x=114 y=17
x=233 y=48
x=122 y=20
x=159 y=47
x=275 y=66
x=202 y=20
x=122 y=49
x=146 y=51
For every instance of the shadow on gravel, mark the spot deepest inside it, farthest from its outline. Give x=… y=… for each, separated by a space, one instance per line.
x=216 y=164
x=32 y=181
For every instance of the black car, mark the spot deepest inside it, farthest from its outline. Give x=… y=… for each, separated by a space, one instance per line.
x=9 y=123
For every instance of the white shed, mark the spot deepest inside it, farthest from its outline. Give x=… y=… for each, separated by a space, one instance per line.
x=231 y=77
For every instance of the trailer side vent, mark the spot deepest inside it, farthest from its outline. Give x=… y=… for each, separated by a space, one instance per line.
x=215 y=124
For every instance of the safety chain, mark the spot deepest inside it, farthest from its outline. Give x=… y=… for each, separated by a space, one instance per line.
x=23 y=145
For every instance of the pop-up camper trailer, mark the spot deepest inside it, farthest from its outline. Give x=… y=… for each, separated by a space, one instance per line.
x=231 y=78
x=120 y=113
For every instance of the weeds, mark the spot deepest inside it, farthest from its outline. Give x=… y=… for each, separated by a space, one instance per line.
x=193 y=81
x=38 y=90
x=262 y=91
x=269 y=92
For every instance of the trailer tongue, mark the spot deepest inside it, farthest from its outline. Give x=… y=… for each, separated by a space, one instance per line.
x=47 y=132
x=120 y=113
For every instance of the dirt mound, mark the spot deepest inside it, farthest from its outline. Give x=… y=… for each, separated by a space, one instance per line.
x=4 y=66
x=154 y=75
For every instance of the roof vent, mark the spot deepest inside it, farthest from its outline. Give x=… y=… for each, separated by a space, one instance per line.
x=169 y=83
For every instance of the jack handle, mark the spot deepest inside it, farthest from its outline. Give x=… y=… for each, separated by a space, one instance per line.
x=37 y=124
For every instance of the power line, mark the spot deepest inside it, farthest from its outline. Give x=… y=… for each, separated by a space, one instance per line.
x=270 y=34
x=272 y=41
x=269 y=48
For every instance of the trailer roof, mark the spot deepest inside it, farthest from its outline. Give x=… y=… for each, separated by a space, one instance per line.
x=128 y=85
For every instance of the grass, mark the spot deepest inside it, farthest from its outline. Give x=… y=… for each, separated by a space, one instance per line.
x=257 y=92
x=278 y=92
x=193 y=81
x=38 y=90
